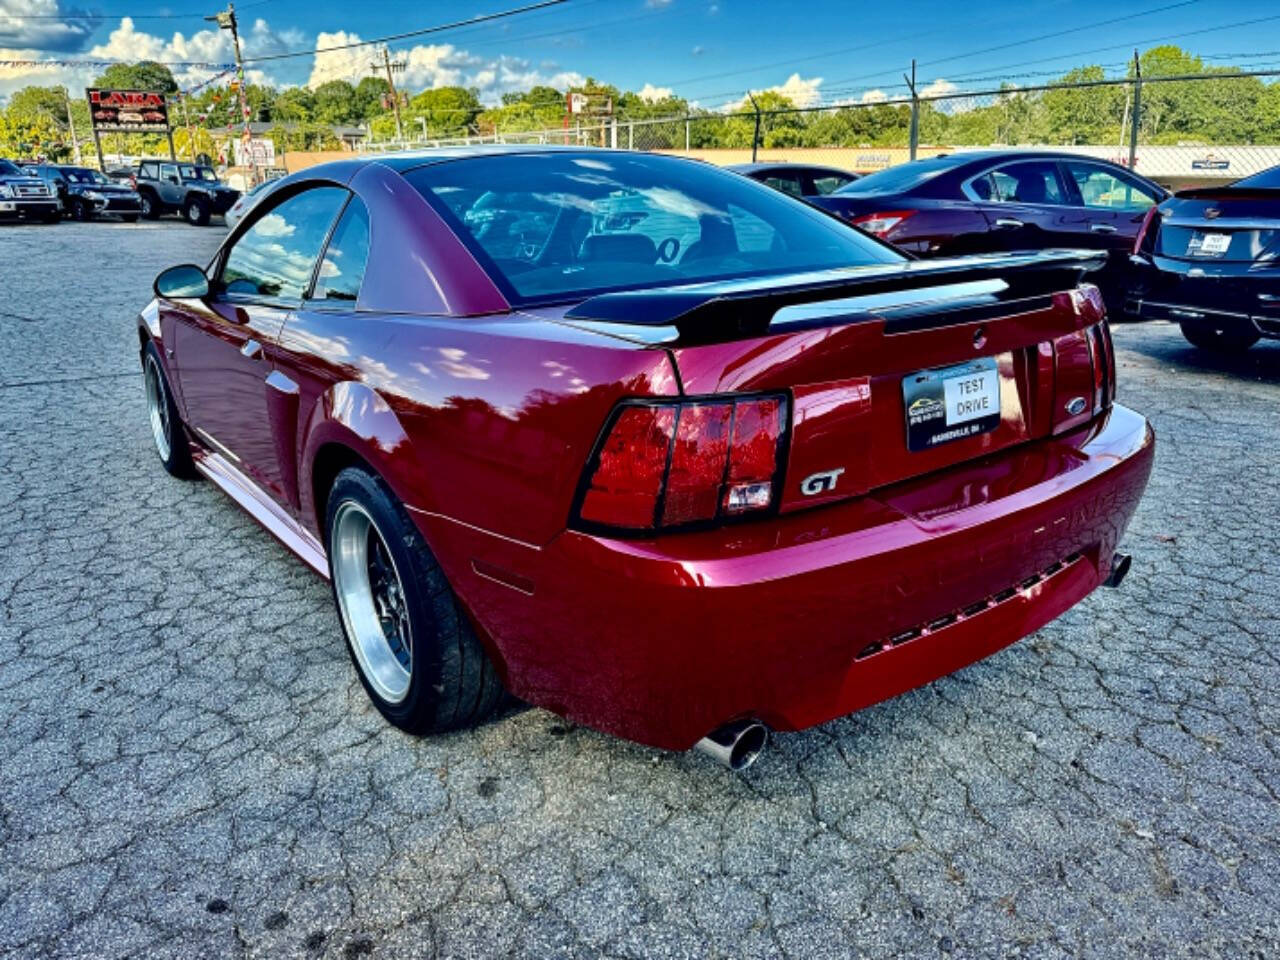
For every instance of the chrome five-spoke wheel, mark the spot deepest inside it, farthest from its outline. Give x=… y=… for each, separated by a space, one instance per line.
x=372 y=602
x=158 y=408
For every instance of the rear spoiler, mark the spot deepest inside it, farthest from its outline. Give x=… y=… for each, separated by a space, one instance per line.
x=716 y=310
x=1228 y=193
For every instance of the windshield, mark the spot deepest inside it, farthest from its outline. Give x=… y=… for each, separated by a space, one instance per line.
x=81 y=175
x=1266 y=180
x=565 y=226
x=7 y=169
x=899 y=179
x=198 y=173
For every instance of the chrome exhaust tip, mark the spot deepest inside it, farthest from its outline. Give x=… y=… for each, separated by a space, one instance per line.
x=1120 y=564
x=735 y=745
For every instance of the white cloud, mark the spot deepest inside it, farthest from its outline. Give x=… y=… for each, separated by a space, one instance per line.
x=874 y=96
x=651 y=94
x=429 y=66
x=801 y=92
x=657 y=4
x=40 y=25
x=939 y=88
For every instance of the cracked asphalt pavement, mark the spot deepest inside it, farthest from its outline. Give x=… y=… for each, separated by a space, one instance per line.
x=189 y=767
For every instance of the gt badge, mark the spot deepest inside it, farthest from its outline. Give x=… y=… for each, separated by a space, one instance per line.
x=817 y=483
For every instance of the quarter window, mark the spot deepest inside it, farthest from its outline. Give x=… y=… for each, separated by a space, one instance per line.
x=1101 y=188
x=828 y=183
x=276 y=256
x=786 y=182
x=343 y=263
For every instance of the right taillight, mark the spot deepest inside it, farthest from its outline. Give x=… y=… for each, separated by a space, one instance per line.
x=1102 y=352
x=882 y=222
x=664 y=465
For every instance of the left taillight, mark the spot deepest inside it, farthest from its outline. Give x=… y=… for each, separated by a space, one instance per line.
x=662 y=465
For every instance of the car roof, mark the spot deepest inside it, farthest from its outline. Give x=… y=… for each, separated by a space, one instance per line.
x=785 y=165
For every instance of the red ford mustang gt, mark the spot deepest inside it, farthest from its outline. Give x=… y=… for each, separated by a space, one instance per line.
x=644 y=442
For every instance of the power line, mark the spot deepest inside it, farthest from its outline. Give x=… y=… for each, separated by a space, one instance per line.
x=1036 y=39
x=482 y=18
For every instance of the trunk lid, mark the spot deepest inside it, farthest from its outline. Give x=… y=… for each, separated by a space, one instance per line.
x=1219 y=225
x=866 y=358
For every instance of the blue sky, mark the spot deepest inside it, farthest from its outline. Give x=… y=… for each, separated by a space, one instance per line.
x=709 y=51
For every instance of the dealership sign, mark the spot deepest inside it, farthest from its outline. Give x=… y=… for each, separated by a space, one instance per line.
x=257 y=152
x=128 y=111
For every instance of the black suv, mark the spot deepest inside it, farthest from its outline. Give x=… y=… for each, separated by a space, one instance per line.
x=86 y=193
x=187 y=188
x=24 y=197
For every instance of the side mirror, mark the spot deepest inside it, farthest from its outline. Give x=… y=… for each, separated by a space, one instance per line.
x=182 y=282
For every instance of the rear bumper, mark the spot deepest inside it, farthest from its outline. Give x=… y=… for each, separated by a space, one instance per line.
x=815 y=614
x=1228 y=297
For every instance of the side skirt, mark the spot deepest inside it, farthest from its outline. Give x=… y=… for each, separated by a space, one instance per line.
x=261 y=507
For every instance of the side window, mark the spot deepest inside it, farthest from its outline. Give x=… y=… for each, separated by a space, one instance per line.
x=149 y=170
x=342 y=266
x=788 y=183
x=1100 y=187
x=276 y=256
x=168 y=171
x=1033 y=181
x=824 y=183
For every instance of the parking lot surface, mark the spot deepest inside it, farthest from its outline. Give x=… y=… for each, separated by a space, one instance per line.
x=189 y=767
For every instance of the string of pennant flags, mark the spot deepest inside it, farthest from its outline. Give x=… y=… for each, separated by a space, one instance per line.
x=189 y=64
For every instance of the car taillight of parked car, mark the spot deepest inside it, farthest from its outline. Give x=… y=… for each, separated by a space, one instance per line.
x=666 y=465
x=1152 y=213
x=881 y=223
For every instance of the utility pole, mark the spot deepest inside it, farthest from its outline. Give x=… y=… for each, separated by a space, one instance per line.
x=388 y=66
x=1136 y=119
x=71 y=126
x=226 y=20
x=913 y=134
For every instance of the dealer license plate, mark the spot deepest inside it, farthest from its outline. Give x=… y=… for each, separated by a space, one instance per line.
x=951 y=403
x=1208 y=244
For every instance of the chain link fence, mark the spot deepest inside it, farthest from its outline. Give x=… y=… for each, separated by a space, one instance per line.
x=1175 y=129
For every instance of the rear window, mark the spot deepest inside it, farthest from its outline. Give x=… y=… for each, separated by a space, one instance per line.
x=899 y=179
x=566 y=226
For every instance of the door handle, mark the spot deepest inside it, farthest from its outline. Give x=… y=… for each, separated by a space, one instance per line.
x=1009 y=223
x=1101 y=228
x=252 y=349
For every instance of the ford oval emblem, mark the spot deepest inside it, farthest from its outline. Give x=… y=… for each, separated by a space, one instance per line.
x=1075 y=405
x=1213 y=213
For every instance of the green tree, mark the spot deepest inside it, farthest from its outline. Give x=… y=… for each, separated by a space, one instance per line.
x=448 y=112
x=368 y=97
x=335 y=102
x=144 y=75
x=297 y=104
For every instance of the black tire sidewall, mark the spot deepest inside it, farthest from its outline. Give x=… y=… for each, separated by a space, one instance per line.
x=150 y=207
x=178 y=463
x=1205 y=338
x=200 y=207
x=419 y=711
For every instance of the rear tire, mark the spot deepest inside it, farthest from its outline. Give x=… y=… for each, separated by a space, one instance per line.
x=150 y=205
x=166 y=428
x=196 y=211
x=413 y=647
x=1218 y=341
x=79 y=210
